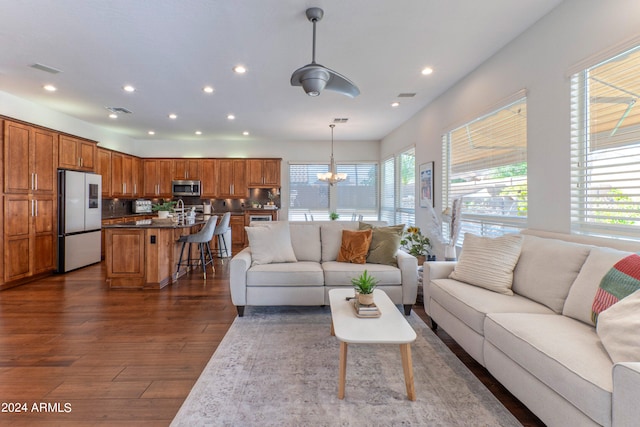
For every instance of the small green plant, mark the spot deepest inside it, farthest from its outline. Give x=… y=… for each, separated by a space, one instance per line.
x=334 y=215
x=164 y=206
x=365 y=283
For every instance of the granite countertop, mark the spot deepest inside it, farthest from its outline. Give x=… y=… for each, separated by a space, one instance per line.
x=155 y=223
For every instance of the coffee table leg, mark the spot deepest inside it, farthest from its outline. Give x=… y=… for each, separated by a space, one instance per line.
x=342 y=371
x=407 y=367
x=333 y=332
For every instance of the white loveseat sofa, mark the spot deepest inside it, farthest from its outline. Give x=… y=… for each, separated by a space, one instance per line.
x=316 y=245
x=540 y=343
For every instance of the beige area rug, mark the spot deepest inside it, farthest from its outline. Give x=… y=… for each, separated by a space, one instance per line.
x=278 y=366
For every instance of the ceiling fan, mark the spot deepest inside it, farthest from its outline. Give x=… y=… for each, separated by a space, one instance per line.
x=314 y=77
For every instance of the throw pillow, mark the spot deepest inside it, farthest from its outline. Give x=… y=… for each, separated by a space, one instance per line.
x=488 y=262
x=355 y=246
x=385 y=242
x=622 y=280
x=270 y=244
x=619 y=329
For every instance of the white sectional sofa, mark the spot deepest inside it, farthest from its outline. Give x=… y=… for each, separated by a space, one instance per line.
x=540 y=342
x=308 y=280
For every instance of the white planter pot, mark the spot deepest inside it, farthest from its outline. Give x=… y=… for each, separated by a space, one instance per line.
x=163 y=214
x=450 y=253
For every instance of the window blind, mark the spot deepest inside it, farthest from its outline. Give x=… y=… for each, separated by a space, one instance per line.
x=357 y=196
x=605 y=147
x=485 y=163
x=387 y=191
x=308 y=197
x=406 y=187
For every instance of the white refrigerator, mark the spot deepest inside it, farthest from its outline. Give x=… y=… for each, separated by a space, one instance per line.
x=79 y=219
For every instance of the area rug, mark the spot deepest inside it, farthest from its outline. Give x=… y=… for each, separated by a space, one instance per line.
x=278 y=366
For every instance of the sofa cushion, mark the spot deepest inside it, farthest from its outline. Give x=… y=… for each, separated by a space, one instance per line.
x=354 y=247
x=305 y=239
x=470 y=304
x=620 y=281
x=619 y=329
x=385 y=242
x=488 y=262
x=331 y=238
x=301 y=273
x=583 y=290
x=561 y=352
x=547 y=268
x=270 y=243
x=340 y=273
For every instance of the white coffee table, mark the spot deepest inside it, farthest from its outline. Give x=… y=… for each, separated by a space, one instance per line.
x=390 y=328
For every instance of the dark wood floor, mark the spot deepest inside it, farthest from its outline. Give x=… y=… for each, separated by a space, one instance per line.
x=74 y=353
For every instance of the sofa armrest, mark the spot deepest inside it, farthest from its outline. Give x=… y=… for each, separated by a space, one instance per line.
x=238 y=267
x=434 y=270
x=408 y=265
x=626 y=389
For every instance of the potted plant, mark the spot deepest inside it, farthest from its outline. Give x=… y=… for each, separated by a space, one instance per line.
x=416 y=244
x=364 y=286
x=163 y=208
x=334 y=216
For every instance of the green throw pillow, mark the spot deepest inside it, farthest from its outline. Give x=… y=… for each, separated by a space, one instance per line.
x=385 y=242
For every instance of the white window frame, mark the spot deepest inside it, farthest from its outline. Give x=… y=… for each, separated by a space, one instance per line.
x=400 y=214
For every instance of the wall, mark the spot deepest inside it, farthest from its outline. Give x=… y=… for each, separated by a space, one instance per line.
x=539 y=61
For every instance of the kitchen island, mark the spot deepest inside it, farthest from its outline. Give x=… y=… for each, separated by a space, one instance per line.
x=144 y=254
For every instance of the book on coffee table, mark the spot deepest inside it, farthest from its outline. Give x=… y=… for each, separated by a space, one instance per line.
x=366 y=310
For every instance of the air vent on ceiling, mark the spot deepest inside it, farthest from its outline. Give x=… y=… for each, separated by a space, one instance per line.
x=118 y=110
x=406 y=95
x=340 y=120
x=46 y=68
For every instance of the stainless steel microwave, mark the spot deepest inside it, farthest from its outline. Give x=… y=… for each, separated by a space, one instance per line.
x=185 y=188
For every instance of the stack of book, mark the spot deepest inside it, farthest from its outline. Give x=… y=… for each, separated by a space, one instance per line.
x=362 y=310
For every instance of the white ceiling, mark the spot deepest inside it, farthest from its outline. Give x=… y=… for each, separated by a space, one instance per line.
x=170 y=49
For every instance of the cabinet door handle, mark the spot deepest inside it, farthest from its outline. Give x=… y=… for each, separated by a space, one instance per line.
x=124 y=187
x=33 y=209
x=36 y=208
x=32 y=181
x=135 y=188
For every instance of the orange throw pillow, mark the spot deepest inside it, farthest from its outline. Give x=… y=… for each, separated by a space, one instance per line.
x=355 y=246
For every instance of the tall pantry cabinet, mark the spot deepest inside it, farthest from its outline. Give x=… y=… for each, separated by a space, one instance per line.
x=29 y=203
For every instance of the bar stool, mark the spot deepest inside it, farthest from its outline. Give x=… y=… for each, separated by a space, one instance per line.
x=221 y=229
x=202 y=238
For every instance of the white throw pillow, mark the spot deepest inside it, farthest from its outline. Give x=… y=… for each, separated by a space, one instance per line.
x=270 y=244
x=619 y=329
x=488 y=262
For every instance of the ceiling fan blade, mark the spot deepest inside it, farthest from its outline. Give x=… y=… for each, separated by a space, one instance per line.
x=341 y=84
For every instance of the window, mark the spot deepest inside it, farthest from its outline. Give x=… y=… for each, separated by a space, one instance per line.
x=485 y=163
x=399 y=188
x=354 y=198
x=605 y=148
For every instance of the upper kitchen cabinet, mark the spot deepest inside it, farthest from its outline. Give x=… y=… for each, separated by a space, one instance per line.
x=187 y=169
x=75 y=153
x=232 y=179
x=29 y=159
x=209 y=178
x=157 y=177
x=103 y=167
x=121 y=175
x=263 y=173
x=136 y=176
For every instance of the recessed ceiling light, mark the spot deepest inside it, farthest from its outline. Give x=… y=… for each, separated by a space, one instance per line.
x=151 y=132
x=231 y=117
x=207 y=89
x=395 y=104
x=198 y=132
x=426 y=71
x=173 y=116
x=240 y=69
x=245 y=133
x=129 y=88
x=50 y=88
x=113 y=116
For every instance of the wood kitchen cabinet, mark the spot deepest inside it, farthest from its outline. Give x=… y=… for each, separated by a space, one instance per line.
x=121 y=175
x=236 y=222
x=232 y=178
x=187 y=169
x=209 y=178
x=157 y=177
x=29 y=159
x=75 y=153
x=136 y=176
x=263 y=173
x=29 y=235
x=103 y=168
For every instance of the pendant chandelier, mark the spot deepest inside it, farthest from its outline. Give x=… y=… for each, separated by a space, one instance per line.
x=332 y=177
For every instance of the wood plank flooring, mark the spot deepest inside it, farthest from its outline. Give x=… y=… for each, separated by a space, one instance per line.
x=75 y=353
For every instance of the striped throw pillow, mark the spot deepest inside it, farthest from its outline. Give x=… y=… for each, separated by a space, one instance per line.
x=488 y=262
x=622 y=280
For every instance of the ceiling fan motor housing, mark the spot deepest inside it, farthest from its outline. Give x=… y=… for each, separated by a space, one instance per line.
x=314 y=79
